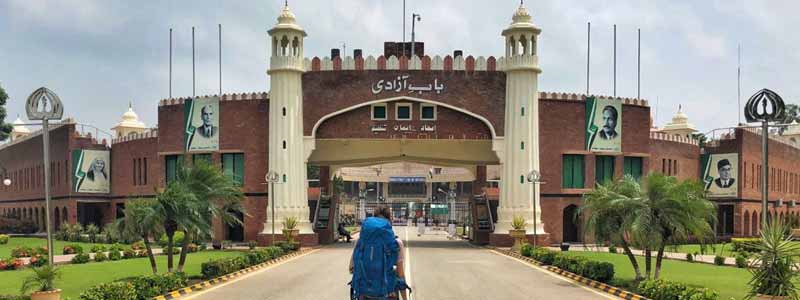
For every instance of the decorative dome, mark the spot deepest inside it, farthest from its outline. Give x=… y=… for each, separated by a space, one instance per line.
x=680 y=124
x=521 y=15
x=286 y=16
x=19 y=127
x=130 y=123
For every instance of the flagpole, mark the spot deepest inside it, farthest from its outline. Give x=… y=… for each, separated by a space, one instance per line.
x=220 y=59
x=739 y=83
x=639 y=66
x=193 y=73
x=615 y=60
x=588 y=53
x=170 y=63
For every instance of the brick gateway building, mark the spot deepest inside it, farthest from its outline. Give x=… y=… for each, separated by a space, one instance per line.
x=482 y=115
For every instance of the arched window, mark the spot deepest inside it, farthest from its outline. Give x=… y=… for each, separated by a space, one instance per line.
x=746 y=229
x=295 y=47
x=284 y=46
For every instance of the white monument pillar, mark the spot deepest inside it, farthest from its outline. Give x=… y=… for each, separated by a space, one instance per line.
x=286 y=155
x=520 y=149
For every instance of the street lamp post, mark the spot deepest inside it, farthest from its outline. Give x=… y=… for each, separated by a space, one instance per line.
x=45 y=105
x=272 y=177
x=534 y=177
x=764 y=106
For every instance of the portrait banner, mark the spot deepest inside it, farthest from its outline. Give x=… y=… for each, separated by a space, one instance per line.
x=720 y=173
x=603 y=125
x=201 y=124
x=91 y=171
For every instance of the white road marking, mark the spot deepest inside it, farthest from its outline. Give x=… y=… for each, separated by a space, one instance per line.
x=558 y=276
x=204 y=291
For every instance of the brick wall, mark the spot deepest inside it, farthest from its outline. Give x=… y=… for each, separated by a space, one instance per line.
x=683 y=158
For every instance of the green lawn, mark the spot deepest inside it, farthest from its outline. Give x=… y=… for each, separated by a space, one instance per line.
x=5 y=250
x=724 y=249
x=77 y=278
x=727 y=281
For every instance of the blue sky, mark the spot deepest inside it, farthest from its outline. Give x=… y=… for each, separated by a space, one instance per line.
x=99 y=55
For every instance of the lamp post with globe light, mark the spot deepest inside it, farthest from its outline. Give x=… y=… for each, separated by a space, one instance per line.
x=534 y=177
x=272 y=177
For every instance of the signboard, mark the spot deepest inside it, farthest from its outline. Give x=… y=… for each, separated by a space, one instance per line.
x=720 y=174
x=44 y=104
x=603 y=125
x=401 y=84
x=439 y=209
x=201 y=124
x=91 y=171
x=411 y=179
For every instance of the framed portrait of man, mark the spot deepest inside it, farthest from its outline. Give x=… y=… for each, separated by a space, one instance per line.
x=603 y=125
x=201 y=119
x=721 y=174
x=91 y=171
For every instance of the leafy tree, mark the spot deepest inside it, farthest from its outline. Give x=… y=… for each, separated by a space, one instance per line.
x=665 y=211
x=5 y=128
x=141 y=220
x=792 y=114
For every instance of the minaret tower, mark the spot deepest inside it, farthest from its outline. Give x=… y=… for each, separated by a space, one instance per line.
x=521 y=142
x=286 y=123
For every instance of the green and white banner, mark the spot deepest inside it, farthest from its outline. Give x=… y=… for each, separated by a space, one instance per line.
x=603 y=125
x=201 y=124
x=91 y=171
x=720 y=173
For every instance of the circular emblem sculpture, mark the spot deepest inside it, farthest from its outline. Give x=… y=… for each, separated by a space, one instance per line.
x=764 y=106
x=44 y=104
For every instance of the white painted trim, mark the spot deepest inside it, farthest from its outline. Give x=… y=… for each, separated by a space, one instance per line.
x=341 y=111
x=435 y=111
x=385 y=112
x=410 y=111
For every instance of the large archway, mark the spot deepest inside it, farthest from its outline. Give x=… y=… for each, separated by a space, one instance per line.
x=746 y=230
x=570 y=224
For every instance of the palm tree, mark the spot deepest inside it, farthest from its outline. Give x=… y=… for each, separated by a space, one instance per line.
x=199 y=194
x=666 y=211
x=141 y=221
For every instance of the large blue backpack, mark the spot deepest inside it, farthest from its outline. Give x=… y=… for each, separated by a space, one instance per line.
x=374 y=258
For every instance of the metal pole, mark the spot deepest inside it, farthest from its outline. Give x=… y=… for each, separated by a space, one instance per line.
x=588 y=53
x=413 y=22
x=46 y=143
x=170 y=63
x=272 y=208
x=193 y=81
x=404 y=27
x=765 y=170
x=639 y=66
x=615 y=60
x=535 y=223
x=220 y=60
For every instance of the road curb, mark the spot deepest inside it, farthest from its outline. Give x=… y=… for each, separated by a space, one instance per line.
x=605 y=288
x=225 y=278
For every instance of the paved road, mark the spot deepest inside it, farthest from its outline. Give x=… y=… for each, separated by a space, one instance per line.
x=438 y=269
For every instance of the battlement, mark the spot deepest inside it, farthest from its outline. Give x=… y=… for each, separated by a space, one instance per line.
x=225 y=97
x=38 y=132
x=660 y=136
x=150 y=133
x=582 y=97
x=427 y=63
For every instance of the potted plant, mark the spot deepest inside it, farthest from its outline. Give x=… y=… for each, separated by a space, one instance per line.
x=41 y=281
x=773 y=265
x=290 y=231
x=518 y=232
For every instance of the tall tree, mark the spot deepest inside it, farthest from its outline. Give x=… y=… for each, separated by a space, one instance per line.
x=5 y=128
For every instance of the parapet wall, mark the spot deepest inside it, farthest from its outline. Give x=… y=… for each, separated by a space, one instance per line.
x=674 y=138
x=446 y=63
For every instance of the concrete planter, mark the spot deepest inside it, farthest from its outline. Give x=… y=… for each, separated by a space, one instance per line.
x=796 y=233
x=519 y=238
x=291 y=234
x=768 y=297
x=49 y=295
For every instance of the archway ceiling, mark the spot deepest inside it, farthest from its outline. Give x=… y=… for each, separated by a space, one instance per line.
x=366 y=152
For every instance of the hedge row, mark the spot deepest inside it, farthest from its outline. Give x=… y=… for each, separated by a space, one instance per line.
x=136 y=288
x=595 y=270
x=667 y=290
x=745 y=244
x=219 y=267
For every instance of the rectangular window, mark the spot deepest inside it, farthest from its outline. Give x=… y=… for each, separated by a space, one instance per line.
x=206 y=157
x=379 y=112
x=603 y=168
x=144 y=168
x=427 y=112
x=572 y=171
x=233 y=166
x=402 y=111
x=134 y=171
x=633 y=166
x=172 y=164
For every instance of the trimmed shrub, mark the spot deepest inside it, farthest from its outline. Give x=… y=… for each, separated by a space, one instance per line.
x=741 y=261
x=667 y=290
x=251 y=244
x=80 y=258
x=21 y=251
x=4 y=239
x=116 y=248
x=38 y=260
x=13 y=225
x=177 y=239
x=138 y=245
x=112 y=290
x=147 y=287
x=114 y=255
x=72 y=249
x=599 y=271
x=219 y=267
x=612 y=249
x=128 y=254
x=526 y=250
x=98 y=248
x=15 y=297
x=10 y=264
x=100 y=257
x=274 y=251
x=544 y=256
x=689 y=257
x=745 y=244
x=719 y=260
x=41 y=250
